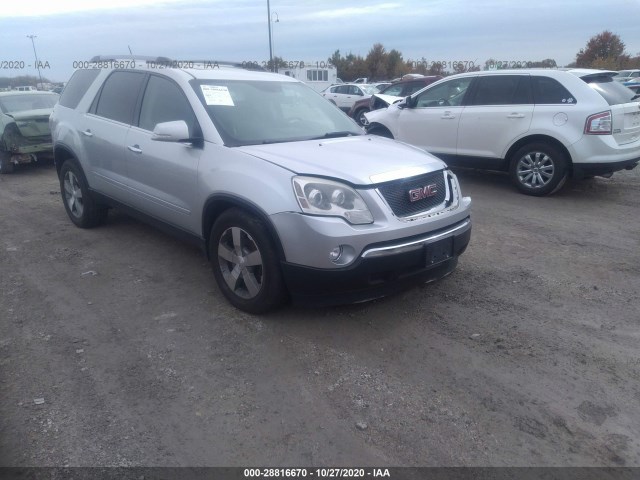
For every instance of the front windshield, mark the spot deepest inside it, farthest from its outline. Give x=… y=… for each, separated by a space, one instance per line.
x=24 y=102
x=370 y=89
x=256 y=112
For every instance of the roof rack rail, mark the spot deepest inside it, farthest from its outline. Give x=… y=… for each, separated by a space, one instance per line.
x=226 y=63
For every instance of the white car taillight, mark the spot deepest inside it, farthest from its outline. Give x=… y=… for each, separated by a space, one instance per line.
x=598 y=124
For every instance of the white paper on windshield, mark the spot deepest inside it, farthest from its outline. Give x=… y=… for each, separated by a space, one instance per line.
x=216 y=95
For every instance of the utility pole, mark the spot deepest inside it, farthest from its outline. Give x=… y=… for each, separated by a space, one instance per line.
x=270 y=46
x=36 y=55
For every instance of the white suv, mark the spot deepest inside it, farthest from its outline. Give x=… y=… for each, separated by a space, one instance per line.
x=286 y=194
x=346 y=94
x=540 y=125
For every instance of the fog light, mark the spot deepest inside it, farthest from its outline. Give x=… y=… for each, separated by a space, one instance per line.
x=335 y=254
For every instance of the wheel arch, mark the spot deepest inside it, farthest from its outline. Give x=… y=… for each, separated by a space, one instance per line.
x=61 y=153
x=538 y=139
x=378 y=126
x=216 y=204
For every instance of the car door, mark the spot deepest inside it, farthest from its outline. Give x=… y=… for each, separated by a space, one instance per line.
x=431 y=119
x=162 y=176
x=354 y=94
x=334 y=93
x=499 y=110
x=103 y=130
x=343 y=96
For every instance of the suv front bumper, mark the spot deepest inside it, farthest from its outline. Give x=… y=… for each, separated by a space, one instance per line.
x=381 y=269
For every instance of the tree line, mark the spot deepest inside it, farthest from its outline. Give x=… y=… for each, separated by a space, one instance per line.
x=603 y=51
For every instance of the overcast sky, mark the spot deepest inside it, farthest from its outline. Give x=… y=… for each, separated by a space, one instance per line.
x=308 y=30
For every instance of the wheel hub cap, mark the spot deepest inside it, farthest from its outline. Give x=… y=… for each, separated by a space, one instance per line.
x=73 y=194
x=535 y=169
x=240 y=262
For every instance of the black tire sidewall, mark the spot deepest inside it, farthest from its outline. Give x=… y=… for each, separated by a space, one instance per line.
x=358 y=114
x=273 y=292
x=6 y=166
x=560 y=163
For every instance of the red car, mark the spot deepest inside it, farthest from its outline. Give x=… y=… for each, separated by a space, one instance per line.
x=403 y=88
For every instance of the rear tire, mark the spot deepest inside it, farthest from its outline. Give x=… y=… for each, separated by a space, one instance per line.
x=6 y=166
x=359 y=116
x=538 y=169
x=245 y=262
x=83 y=210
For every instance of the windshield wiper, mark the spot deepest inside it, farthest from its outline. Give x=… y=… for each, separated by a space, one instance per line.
x=635 y=97
x=343 y=133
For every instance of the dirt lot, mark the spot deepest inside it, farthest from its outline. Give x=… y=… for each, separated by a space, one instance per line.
x=527 y=355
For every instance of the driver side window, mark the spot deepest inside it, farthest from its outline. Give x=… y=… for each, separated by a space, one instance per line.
x=164 y=102
x=447 y=94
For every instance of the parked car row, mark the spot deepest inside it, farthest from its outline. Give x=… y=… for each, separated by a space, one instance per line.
x=626 y=75
x=288 y=197
x=541 y=126
x=381 y=99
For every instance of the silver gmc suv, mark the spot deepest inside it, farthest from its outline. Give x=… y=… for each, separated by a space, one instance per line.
x=286 y=194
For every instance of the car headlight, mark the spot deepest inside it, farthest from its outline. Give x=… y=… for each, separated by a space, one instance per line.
x=317 y=196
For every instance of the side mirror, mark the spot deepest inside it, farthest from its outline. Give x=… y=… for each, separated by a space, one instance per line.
x=406 y=103
x=176 y=131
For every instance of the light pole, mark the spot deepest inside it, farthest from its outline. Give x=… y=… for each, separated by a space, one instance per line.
x=269 y=23
x=275 y=66
x=36 y=55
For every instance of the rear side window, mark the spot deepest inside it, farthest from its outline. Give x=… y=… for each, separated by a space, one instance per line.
x=394 y=90
x=548 y=91
x=119 y=95
x=615 y=93
x=77 y=86
x=413 y=87
x=502 y=90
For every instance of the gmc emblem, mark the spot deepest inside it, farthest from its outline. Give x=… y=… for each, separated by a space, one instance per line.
x=424 y=192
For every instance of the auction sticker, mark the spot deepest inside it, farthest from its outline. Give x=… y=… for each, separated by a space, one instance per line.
x=216 y=95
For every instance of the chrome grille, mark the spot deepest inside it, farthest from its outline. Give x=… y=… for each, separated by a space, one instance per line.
x=397 y=194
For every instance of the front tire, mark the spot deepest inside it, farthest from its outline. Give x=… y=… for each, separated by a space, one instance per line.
x=538 y=169
x=81 y=207
x=245 y=262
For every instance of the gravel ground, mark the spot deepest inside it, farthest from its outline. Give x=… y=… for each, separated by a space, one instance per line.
x=117 y=349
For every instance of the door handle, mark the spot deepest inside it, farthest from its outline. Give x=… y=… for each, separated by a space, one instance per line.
x=135 y=148
x=516 y=115
x=87 y=133
x=447 y=116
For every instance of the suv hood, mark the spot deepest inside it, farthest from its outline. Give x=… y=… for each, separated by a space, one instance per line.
x=359 y=160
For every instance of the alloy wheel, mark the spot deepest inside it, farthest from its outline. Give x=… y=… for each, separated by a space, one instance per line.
x=73 y=194
x=535 y=169
x=240 y=262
